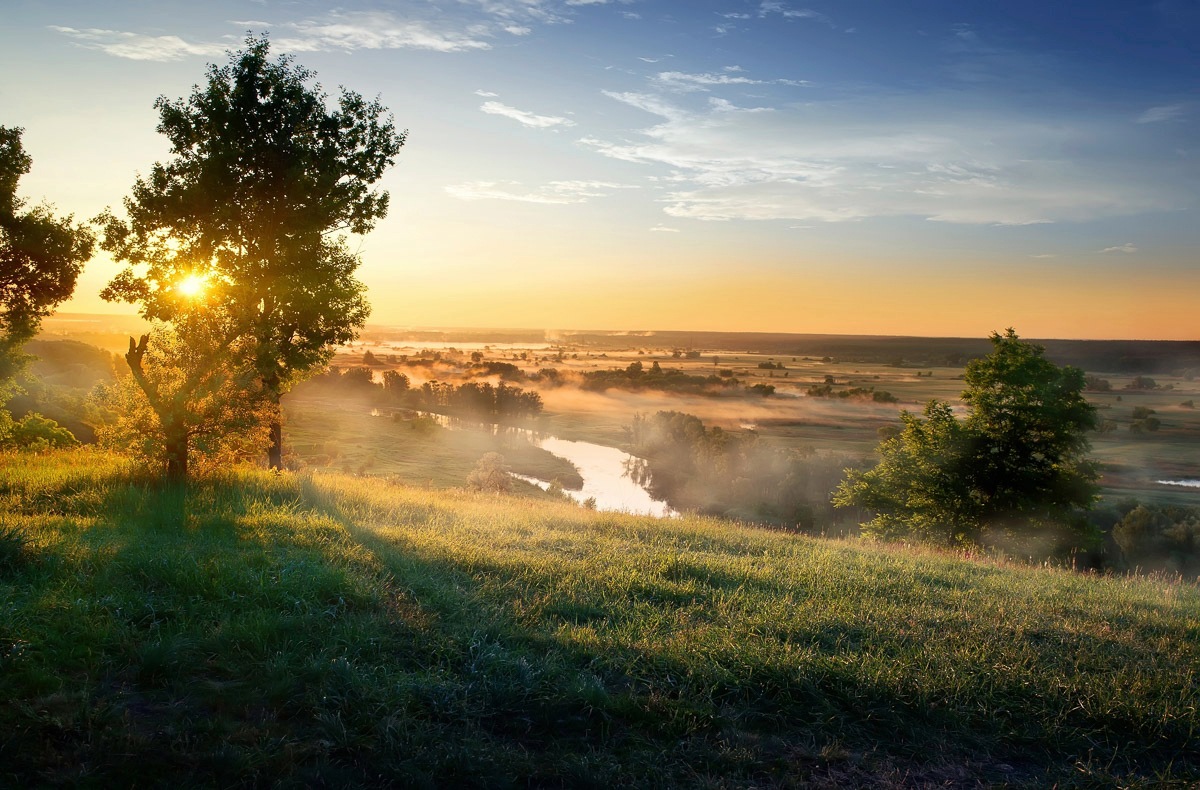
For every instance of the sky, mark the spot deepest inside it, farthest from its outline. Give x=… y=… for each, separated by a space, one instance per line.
x=858 y=167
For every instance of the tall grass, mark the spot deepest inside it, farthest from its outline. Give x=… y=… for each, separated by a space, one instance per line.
x=256 y=628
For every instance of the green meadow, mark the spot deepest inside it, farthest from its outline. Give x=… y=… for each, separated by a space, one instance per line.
x=324 y=629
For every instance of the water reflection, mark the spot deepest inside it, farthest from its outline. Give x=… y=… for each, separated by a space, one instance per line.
x=1184 y=483
x=606 y=471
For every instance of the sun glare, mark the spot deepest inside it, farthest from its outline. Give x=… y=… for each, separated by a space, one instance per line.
x=191 y=286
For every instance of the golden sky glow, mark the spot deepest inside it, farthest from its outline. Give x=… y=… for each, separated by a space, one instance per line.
x=875 y=169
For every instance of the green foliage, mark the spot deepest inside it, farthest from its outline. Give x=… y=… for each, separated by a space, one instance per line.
x=1156 y=537
x=186 y=400
x=33 y=433
x=263 y=183
x=1015 y=465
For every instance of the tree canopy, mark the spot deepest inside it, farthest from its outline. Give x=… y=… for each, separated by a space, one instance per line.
x=253 y=208
x=1015 y=464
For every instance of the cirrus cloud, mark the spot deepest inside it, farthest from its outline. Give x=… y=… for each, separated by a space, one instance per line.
x=552 y=193
x=138 y=46
x=525 y=118
x=894 y=156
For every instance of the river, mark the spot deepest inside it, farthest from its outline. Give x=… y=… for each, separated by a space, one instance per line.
x=604 y=469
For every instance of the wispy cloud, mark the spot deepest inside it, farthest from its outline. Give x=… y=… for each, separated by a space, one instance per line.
x=137 y=46
x=682 y=81
x=663 y=229
x=349 y=30
x=523 y=117
x=553 y=193
x=345 y=31
x=1044 y=255
x=540 y=11
x=376 y=30
x=1166 y=112
x=900 y=156
x=486 y=94
x=1126 y=248
x=770 y=7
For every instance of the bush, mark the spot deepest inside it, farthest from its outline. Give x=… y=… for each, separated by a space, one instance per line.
x=490 y=474
x=35 y=432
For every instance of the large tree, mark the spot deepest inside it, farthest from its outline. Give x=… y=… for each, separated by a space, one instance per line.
x=264 y=183
x=40 y=258
x=1015 y=465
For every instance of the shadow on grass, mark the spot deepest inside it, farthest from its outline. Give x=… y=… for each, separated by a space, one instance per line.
x=253 y=630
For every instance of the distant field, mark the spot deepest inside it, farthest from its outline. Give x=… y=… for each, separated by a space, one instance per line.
x=1132 y=463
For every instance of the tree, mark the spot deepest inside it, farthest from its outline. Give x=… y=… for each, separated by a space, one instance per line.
x=263 y=185
x=40 y=258
x=185 y=400
x=189 y=393
x=491 y=474
x=1015 y=464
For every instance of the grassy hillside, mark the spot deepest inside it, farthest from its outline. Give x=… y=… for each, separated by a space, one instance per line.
x=330 y=630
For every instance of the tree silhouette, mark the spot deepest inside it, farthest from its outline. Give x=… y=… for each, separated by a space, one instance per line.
x=263 y=184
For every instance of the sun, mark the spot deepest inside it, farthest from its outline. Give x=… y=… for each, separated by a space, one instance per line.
x=191 y=286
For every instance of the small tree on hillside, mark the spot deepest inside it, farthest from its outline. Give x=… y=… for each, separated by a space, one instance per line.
x=188 y=399
x=491 y=474
x=263 y=184
x=1015 y=464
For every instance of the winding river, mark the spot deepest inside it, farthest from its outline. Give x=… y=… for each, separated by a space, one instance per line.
x=604 y=469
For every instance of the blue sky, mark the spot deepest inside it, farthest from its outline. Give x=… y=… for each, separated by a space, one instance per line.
x=876 y=167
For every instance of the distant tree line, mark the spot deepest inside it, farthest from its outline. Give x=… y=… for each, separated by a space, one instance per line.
x=855 y=393
x=637 y=376
x=479 y=400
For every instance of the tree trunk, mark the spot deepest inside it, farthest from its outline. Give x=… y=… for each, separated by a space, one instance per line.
x=275 y=451
x=177 y=453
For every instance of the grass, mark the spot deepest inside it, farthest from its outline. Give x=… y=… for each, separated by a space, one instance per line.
x=310 y=630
